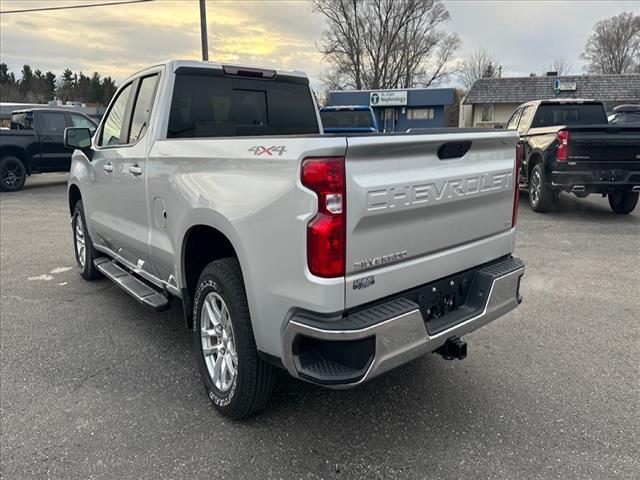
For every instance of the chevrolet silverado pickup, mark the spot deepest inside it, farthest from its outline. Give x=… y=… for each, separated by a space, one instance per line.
x=567 y=145
x=34 y=144
x=335 y=257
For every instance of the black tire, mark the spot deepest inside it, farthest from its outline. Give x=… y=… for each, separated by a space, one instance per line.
x=623 y=202
x=252 y=386
x=87 y=269
x=13 y=174
x=541 y=197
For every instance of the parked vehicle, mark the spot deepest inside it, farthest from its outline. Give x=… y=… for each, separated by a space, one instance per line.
x=34 y=144
x=566 y=145
x=625 y=115
x=335 y=257
x=348 y=119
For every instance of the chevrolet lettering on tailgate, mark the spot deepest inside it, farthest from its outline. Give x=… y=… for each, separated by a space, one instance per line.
x=405 y=196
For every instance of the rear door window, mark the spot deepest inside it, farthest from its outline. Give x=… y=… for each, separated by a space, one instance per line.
x=207 y=104
x=111 y=132
x=513 y=121
x=142 y=109
x=52 y=123
x=523 y=123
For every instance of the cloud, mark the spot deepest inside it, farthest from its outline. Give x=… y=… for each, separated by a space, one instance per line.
x=524 y=36
x=119 y=40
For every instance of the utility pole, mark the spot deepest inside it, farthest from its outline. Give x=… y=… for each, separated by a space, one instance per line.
x=203 y=31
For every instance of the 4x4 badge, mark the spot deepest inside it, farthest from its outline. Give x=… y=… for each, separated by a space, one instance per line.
x=262 y=150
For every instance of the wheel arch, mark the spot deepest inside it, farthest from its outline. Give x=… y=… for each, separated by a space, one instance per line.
x=74 y=195
x=18 y=152
x=535 y=158
x=201 y=245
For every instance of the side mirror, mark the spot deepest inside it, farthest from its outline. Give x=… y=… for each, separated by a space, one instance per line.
x=79 y=138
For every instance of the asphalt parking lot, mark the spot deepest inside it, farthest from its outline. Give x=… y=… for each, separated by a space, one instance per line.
x=93 y=385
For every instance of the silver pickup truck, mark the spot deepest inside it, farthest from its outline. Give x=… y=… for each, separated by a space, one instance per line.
x=337 y=257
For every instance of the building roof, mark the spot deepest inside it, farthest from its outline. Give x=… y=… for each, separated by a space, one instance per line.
x=523 y=89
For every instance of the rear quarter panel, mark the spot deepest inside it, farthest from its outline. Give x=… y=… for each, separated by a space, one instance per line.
x=259 y=204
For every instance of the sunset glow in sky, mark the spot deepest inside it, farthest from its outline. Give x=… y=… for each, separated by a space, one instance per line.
x=524 y=36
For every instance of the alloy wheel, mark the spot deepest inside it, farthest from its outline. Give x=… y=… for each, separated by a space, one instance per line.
x=12 y=173
x=218 y=345
x=536 y=182
x=81 y=247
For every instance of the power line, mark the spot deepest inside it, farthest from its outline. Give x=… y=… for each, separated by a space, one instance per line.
x=69 y=7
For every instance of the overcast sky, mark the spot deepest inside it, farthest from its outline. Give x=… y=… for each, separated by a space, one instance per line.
x=524 y=36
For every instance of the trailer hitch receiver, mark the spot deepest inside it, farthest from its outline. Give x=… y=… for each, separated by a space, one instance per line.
x=453 y=348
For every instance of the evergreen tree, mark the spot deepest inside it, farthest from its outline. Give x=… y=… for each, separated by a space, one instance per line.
x=95 y=88
x=108 y=90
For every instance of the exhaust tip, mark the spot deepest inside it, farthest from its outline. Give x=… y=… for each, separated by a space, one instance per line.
x=578 y=188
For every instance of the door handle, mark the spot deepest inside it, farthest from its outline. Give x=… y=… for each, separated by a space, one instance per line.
x=135 y=170
x=108 y=167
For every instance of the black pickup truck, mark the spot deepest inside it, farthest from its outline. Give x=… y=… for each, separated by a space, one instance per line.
x=34 y=144
x=566 y=145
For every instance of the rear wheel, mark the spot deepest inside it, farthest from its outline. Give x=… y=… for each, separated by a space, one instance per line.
x=12 y=174
x=83 y=247
x=541 y=197
x=238 y=382
x=623 y=202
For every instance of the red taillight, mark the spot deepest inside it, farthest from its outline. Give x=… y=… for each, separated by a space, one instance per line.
x=563 y=146
x=326 y=243
x=516 y=184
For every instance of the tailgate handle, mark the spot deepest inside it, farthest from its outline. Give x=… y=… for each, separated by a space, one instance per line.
x=453 y=150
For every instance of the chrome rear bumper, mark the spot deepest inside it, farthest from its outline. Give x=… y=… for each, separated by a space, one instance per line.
x=396 y=331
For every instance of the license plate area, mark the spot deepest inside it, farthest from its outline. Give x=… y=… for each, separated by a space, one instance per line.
x=612 y=175
x=443 y=301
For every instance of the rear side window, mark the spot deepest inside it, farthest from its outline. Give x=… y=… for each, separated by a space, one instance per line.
x=52 y=123
x=524 y=119
x=22 y=121
x=569 y=114
x=142 y=109
x=513 y=121
x=218 y=106
x=111 y=131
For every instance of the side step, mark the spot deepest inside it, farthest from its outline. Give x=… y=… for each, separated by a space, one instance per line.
x=131 y=284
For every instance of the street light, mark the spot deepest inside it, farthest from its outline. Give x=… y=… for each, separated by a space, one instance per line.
x=203 y=31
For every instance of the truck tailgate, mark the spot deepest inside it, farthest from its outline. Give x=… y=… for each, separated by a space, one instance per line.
x=602 y=143
x=413 y=217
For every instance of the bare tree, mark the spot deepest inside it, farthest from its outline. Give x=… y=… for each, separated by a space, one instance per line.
x=561 y=65
x=386 y=43
x=479 y=63
x=614 y=45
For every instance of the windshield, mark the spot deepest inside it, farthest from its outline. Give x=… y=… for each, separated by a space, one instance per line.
x=346 y=119
x=568 y=114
